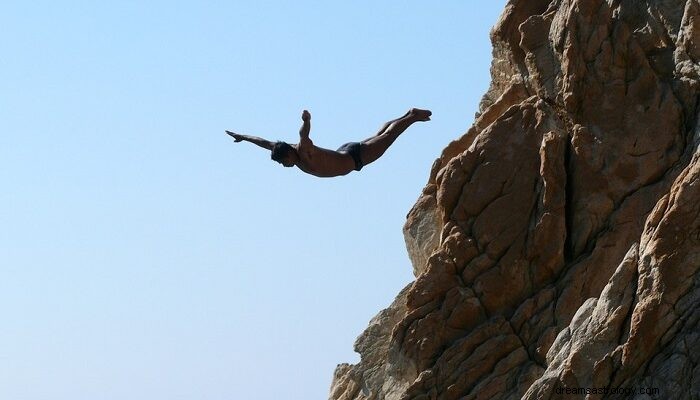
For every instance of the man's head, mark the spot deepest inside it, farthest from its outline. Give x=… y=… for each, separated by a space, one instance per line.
x=284 y=154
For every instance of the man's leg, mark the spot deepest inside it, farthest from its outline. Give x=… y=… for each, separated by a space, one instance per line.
x=386 y=126
x=374 y=147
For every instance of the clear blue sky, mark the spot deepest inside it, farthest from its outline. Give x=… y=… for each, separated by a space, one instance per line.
x=143 y=254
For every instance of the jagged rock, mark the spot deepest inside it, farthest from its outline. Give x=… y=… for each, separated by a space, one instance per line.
x=557 y=243
x=422 y=230
x=365 y=379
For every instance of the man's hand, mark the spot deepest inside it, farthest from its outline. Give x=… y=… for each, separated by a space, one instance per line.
x=236 y=137
x=306 y=116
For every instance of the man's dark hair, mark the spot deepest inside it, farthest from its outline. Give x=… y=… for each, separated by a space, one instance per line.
x=280 y=151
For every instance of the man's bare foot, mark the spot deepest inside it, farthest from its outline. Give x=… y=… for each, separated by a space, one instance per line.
x=420 y=115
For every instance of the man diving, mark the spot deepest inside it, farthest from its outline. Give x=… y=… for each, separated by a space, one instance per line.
x=327 y=163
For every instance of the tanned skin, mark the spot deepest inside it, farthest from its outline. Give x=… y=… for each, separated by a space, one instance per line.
x=327 y=163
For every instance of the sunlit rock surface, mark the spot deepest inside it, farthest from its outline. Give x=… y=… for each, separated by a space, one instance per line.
x=557 y=242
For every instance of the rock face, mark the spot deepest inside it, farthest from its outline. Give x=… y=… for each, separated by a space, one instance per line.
x=557 y=243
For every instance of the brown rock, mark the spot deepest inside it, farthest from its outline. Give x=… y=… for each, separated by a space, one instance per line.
x=557 y=242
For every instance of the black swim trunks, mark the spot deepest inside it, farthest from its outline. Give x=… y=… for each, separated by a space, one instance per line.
x=353 y=148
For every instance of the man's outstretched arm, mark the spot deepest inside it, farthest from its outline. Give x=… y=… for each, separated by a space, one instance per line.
x=265 y=144
x=305 y=129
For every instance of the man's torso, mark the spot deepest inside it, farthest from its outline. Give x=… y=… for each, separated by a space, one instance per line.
x=322 y=162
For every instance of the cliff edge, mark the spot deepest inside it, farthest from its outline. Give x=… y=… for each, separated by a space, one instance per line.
x=557 y=242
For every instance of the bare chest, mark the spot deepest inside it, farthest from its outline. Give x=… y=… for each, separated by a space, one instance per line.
x=323 y=162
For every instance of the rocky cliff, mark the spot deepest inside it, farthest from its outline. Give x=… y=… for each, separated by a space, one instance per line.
x=557 y=243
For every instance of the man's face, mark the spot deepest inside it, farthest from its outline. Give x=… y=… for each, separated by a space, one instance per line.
x=288 y=161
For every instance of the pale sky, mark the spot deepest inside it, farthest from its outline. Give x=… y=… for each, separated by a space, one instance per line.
x=144 y=255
